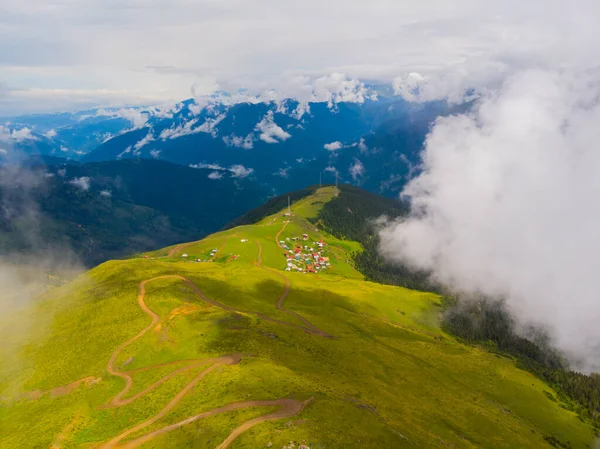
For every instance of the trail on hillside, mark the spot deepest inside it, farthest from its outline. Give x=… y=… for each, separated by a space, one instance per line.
x=280 y=231
x=286 y=407
x=311 y=328
x=289 y=407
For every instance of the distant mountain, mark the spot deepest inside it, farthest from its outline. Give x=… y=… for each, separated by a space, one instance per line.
x=68 y=135
x=287 y=145
x=113 y=209
x=367 y=137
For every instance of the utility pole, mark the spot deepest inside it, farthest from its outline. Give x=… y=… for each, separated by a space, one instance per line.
x=320 y=185
x=336 y=179
x=289 y=207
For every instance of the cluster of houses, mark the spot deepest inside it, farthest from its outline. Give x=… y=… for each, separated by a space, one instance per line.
x=213 y=253
x=305 y=257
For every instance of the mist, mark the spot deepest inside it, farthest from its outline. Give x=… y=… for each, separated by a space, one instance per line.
x=506 y=204
x=29 y=268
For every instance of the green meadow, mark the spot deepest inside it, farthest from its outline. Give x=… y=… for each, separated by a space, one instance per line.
x=372 y=363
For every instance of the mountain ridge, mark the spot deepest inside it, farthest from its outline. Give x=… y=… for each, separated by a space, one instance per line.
x=233 y=335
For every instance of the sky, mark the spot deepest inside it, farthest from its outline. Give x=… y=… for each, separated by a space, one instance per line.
x=60 y=55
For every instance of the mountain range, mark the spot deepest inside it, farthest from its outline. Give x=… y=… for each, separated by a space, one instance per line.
x=368 y=137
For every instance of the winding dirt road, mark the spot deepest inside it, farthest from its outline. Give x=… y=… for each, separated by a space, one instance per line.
x=308 y=326
x=288 y=407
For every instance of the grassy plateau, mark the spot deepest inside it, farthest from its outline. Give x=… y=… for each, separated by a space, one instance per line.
x=189 y=347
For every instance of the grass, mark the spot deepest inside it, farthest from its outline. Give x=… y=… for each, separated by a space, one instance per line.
x=390 y=377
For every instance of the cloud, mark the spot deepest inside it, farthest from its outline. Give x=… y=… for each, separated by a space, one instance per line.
x=210 y=125
x=246 y=143
x=179 y=131
x=357 y=169
x=106 y=193
x=124 y=152
x=215 y=175
x=155 y=153
x=239 y=171
x=187 y=128
x=209 y=166
x=282 y=172
x=269 y=131
x=137 y=118
x=107 y=54
x=3 y=151
x=51 y=134
x=143 y=142
x=331 y=169
x=83 y=183
x=9 y=135
x=64 y=149
x=506 y=205
x=333 y=146
x=362 y=146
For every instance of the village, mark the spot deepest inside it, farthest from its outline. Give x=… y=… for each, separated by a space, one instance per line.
x=305 y=257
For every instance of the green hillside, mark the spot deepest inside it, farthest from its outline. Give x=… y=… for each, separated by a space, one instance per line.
x=214 y=344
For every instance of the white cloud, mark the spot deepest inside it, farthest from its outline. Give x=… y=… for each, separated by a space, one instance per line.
x=357 y=169
x=215 y=175
x=137 y=118
x=283 y=172
x=106 y=193
x=331 y=169
x=64 y=149
x=187 y=128
x=20 y=135
x=362 y=146
x=246 y=143
x=83 y=183
x=179 y=131
x=333 y=146
x=124 y=152
x=51 y=134
x=209 y=166
x=3 y=151
x=269 y=131
x=507 y=205
x=155 y=153
x=145 y=141
x=210 y=125
x=239 y=171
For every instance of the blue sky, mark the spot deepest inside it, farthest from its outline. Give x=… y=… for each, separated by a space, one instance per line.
x=72 y=54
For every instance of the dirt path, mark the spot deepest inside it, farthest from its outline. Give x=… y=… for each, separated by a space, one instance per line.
x=280 y=231
x=288 y=408
x=178 y=248
x=311 y=328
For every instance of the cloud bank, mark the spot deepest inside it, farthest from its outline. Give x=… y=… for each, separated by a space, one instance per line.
x=506 y=204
